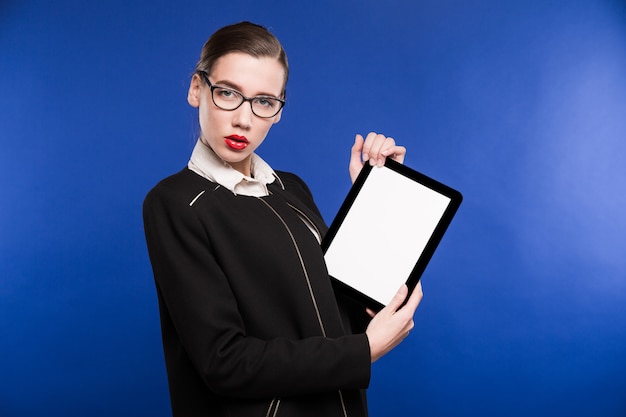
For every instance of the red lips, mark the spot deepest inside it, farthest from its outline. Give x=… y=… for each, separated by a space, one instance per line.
x=236 y=142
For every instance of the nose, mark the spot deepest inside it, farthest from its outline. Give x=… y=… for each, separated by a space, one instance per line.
x=243 y=116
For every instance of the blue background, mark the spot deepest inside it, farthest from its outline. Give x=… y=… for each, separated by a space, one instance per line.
x=521 y=105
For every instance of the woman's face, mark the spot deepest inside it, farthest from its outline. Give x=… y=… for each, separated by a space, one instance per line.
x=235 y=135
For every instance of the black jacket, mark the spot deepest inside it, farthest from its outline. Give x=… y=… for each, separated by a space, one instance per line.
x=249 y=319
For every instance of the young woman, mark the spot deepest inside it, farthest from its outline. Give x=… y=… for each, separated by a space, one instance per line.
x=250 y=322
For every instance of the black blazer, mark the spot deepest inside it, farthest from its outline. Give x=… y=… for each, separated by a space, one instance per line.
x=249 y=319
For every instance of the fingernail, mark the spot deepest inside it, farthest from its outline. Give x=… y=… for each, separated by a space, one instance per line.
x=366 y=157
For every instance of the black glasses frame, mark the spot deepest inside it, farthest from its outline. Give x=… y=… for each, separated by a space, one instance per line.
x=248 y=99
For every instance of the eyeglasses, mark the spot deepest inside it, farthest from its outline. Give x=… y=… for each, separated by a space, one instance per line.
x=229 y=99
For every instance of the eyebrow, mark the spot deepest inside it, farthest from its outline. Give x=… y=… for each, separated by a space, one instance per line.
x=226 y=83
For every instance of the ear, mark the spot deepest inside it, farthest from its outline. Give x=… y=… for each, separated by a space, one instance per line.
x=193 y=96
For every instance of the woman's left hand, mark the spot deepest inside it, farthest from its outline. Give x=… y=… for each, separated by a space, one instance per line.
x=375 y=148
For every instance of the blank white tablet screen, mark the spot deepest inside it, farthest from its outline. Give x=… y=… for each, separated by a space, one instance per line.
x=384 y=233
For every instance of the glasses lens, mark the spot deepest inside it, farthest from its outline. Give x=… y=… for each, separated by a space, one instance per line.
x=265 y=106
x=226 y=98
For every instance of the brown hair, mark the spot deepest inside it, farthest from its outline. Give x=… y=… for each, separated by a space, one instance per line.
x=245 y=37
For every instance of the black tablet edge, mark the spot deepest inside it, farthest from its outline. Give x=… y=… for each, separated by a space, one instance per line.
x=422 y=262
x=434 y=241
x=345 y=207
x=356 y=295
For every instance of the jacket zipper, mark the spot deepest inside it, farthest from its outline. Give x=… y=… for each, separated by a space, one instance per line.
x=304 y=216
x=273 y=405
x=304 y=270
x=308 y=281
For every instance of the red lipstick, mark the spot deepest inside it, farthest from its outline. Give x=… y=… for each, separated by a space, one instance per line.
x=236 y=142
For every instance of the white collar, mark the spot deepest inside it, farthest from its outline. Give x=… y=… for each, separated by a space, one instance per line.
x=205 y=162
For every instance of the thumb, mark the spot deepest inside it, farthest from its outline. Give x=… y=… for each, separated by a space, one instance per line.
x=357 y=148
x=398 y=299
x=355 y=157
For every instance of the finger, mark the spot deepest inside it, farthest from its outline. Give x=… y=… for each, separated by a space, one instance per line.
x=383 y=147
x=397 y=299
x=397 y=153
x=367 y=145
x=381 y=143
x=375 y=145
x=410 y=327
x=415 y=298
x=370 y=312
x=357 y=148
x=355 y=158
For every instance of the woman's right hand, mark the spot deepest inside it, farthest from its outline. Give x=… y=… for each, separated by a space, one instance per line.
x=375 y=148
x=392 y=324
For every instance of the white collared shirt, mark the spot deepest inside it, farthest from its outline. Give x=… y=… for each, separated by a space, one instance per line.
x=207 y=164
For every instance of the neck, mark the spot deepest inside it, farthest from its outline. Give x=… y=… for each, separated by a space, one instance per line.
x=243 y=166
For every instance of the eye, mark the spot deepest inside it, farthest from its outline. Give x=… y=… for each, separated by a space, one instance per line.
x=266 y=102
x=226 y=94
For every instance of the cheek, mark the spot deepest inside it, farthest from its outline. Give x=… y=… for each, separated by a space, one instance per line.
x=209 y=119
x=263 y=131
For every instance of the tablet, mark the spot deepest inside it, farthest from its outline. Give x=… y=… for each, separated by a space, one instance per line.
x=386 y=232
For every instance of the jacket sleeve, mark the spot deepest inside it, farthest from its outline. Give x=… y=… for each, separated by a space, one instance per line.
x=206 y=325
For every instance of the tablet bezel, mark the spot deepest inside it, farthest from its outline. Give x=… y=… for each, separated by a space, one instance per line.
x=424 y=258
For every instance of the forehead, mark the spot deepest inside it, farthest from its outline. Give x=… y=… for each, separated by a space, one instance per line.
x=250 y=75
